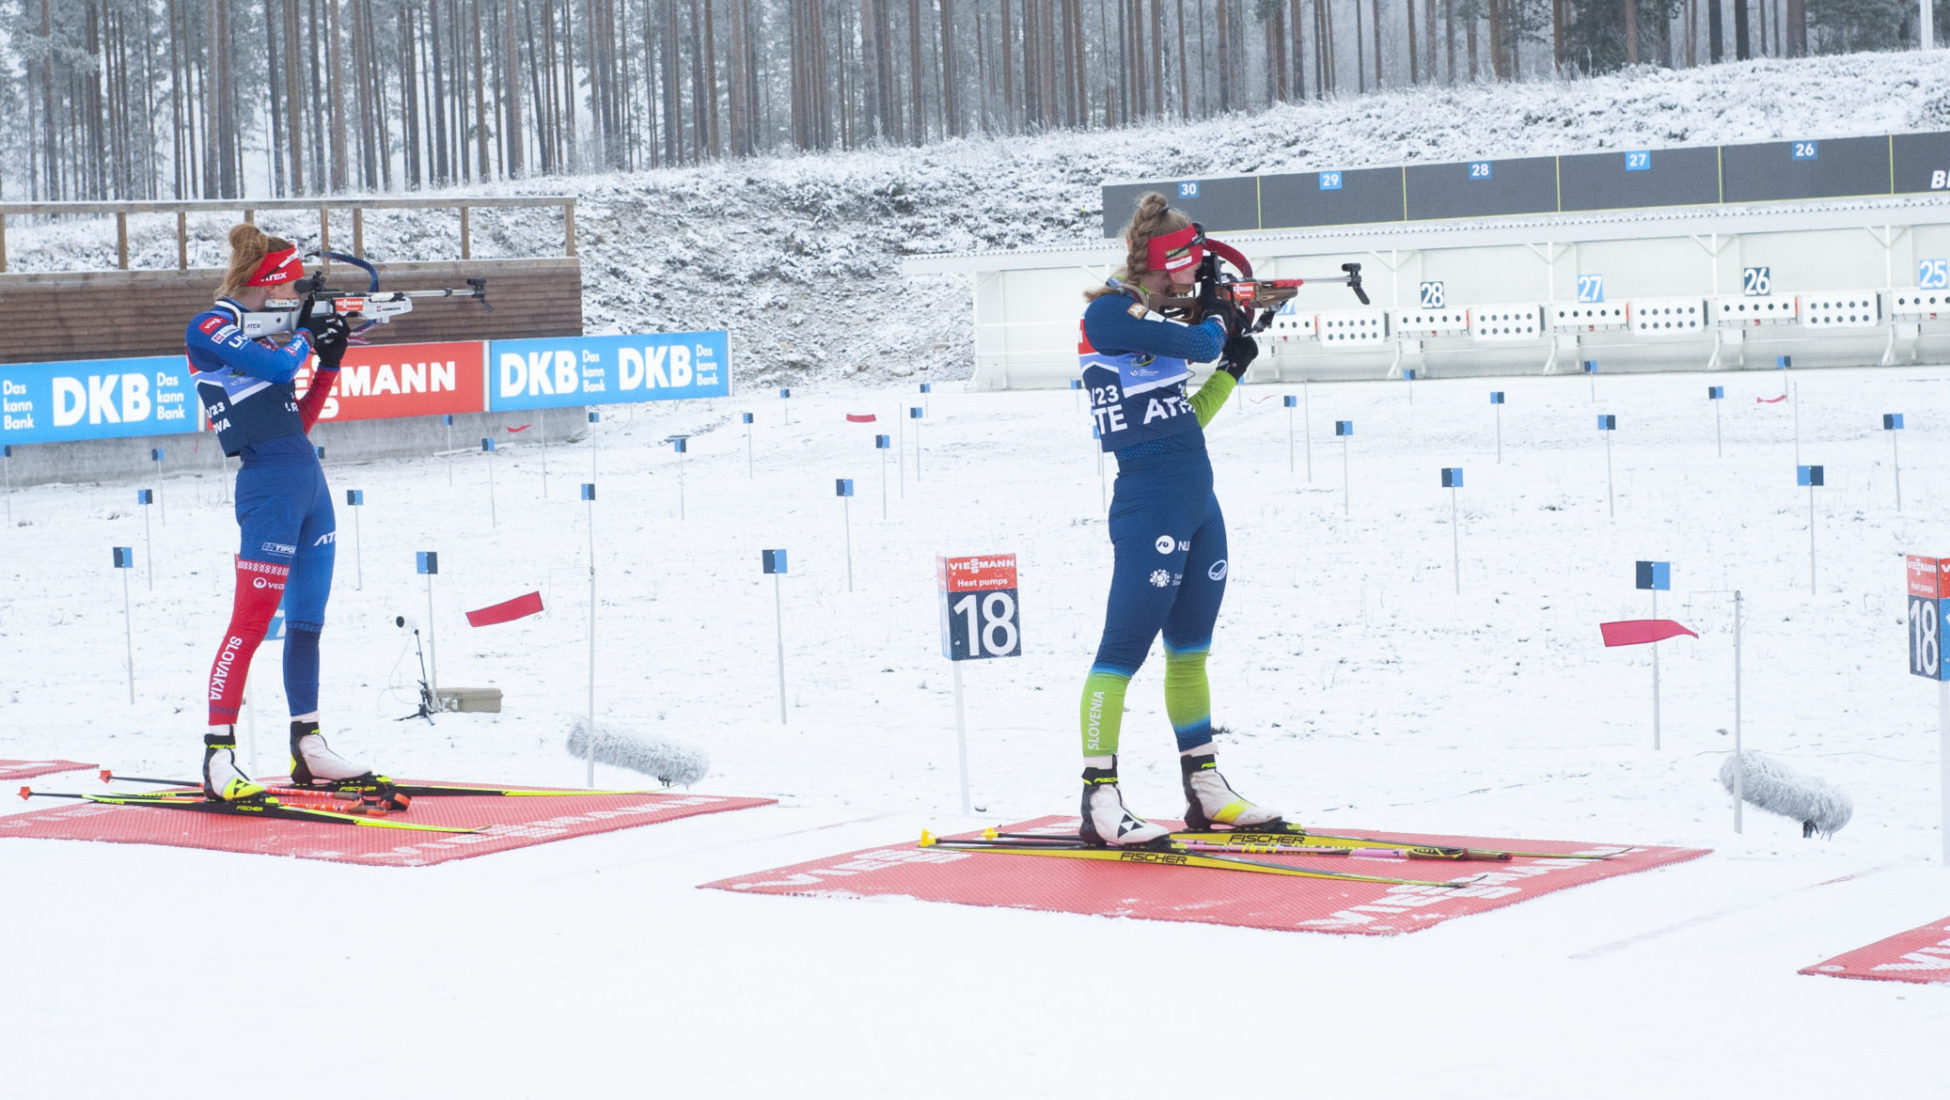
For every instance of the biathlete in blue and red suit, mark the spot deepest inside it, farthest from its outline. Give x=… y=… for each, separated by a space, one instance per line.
x=283 y=506
x=1166 y=530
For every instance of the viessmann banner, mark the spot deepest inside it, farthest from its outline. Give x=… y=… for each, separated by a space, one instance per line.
x=607 y=370
x=388 y=381
x=110 y=398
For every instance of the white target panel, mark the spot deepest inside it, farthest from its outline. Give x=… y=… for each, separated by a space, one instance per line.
x=1919 y=305
x=1289 y=327
x=1506 y=322
x=1738 y=311
x=1667 y=316
x=1426 y=323
x=1588 y=316
x=1352 y=327
x=1841 y=309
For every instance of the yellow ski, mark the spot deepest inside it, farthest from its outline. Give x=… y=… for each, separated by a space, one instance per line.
x=1175 y=856
x=1293 y=836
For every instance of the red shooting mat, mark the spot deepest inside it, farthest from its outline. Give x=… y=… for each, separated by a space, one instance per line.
x=1918 y=955
x=1208 y=896
x=506 y=823
x=28 y=769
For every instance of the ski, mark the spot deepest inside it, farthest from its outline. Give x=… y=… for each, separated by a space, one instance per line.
x=355 y=788
x=1176 y=855
x=264 y=807
x=1296 y=835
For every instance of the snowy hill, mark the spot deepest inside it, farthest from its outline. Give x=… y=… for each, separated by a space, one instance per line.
x=799 y=256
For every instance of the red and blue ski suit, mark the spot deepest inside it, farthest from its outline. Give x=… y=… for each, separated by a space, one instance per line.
x=284 y=509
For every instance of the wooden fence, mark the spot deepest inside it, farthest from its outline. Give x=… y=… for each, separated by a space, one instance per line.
x=112 y=314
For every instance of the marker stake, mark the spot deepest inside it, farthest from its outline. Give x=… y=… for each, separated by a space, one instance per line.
x=1655 y=677
x=124 y=560
x=487 y=444
x=541 y=425
x=1307 y=426
x=156 y=454
x=356 y=499
x=961 y=739
x=589 y=495
x=843 y=488
x=1739 y=765
x=144 y=497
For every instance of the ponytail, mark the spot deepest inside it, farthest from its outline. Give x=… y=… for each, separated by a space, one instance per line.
x=248 y=247
x=1153 y=217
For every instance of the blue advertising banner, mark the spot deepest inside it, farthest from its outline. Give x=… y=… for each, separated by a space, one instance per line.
x=606 y=370
x=96 y=399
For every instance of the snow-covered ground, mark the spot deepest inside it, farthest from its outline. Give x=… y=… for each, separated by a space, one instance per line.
x=1363 y=692
x=799 y=256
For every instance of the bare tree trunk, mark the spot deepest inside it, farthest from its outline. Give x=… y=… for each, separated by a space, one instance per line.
x=1797 y=28
x=1374 y=20
x=1743 y=45
x=1414 y=54
x=1449 y=39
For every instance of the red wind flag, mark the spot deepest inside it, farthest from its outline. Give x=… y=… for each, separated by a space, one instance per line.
x=521 y=428
x=1770 y=400
x=1641 y=631
x=518 y=608
x=859 y=418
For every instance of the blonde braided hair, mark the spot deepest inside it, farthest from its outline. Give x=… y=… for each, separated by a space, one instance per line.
x=1153 y=217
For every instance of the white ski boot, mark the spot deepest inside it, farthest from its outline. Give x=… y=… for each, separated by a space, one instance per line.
x=223 y=781
x=1211 y=801
x=1105 y=820
x=313 y=763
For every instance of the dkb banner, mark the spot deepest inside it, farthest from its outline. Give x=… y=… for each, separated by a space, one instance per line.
x=604 y=370
x=96 y=399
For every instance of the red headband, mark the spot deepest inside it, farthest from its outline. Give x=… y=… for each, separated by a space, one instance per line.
x=1176 y=250
x=277 y=268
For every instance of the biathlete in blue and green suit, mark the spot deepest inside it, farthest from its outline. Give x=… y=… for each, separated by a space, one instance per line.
x=1165 y=525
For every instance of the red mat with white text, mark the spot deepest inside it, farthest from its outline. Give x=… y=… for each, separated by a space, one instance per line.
x=1918 y=955
x=28 y=769
x=504 y=824
x=1210 y=896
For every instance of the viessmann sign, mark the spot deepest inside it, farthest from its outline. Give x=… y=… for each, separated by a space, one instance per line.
x=389 y=381
x=110 y=398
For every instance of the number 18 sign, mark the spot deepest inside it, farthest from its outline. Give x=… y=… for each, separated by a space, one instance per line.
x=979 y=614
x=1929 y=598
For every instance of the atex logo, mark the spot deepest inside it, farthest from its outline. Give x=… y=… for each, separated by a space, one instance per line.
x=327 y=539
x=1218 y=570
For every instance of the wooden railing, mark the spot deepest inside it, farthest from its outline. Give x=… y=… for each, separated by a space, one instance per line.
x=249 y=208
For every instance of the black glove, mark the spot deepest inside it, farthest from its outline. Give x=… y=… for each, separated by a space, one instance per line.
x=1239 y=353
x=329 y=334
x=1213 y=301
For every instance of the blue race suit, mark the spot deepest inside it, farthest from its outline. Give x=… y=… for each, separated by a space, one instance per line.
x=284 y=509
x=1168 y=535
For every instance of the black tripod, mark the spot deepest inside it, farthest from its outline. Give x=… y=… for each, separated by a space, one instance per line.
x=428 y=704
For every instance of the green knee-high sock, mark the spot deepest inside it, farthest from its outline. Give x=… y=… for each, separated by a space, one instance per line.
x=1102 y=711
x=1188 y=697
